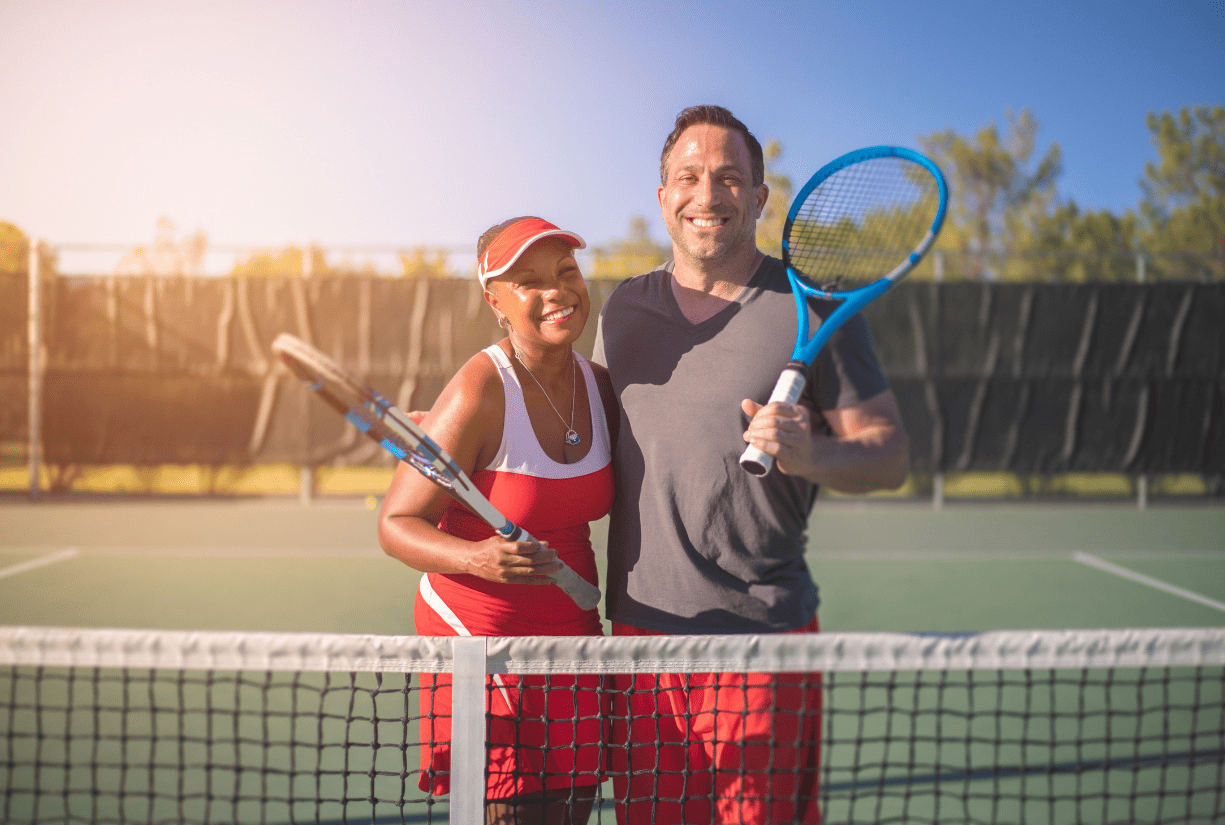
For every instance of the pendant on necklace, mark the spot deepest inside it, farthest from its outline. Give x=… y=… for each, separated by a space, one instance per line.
x=572 y=437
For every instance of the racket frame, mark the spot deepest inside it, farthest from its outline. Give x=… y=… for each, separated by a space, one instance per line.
x=793 y=378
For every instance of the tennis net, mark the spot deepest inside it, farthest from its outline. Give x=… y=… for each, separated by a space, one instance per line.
x=1035 y=726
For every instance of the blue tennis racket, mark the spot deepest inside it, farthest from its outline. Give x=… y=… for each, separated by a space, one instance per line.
x=860 y=225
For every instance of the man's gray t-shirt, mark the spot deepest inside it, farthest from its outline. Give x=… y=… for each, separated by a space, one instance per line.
x=696 y=544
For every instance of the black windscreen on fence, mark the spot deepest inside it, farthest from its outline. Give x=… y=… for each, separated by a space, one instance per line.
x=1023 y=377
x=1048 y=378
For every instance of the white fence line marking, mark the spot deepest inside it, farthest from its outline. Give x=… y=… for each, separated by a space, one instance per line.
x=1093 y=561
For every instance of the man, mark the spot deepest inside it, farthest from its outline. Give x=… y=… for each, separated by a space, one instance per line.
x=696 y=544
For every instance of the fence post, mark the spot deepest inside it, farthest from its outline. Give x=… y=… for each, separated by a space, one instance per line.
x=306 y=485
x=34 y=410
x=306 y=473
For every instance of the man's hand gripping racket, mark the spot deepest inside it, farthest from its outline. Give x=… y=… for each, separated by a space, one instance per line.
x=858 y=226
x=378 y=418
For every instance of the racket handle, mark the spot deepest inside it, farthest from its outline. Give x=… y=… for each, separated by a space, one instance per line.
x=790 y=384
x=585 y=594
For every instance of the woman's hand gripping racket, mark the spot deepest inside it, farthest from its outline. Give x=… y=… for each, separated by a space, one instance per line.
x=378 y=418
x=859 y=226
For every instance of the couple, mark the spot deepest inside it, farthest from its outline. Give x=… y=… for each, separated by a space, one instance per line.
x=684 y=356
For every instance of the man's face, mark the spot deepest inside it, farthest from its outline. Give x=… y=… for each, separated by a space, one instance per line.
x=708 y=200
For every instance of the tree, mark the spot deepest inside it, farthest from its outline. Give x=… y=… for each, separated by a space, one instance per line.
x=286 y=262
x=167 y=256
x=14 y=249
x=632 y=255
x=774 y=216
x=997 y=195
x=417 y=265
x=1184 y=193
x=15 y=253
x=1072 y=245
x=14 y=295
x=289 y=262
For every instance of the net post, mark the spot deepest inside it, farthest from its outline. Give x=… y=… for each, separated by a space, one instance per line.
x=938 y=491
x=469 y=660
x=34 y=412
x=1142 y=492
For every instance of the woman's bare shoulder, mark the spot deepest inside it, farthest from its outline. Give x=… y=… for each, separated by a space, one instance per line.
x=467 y=417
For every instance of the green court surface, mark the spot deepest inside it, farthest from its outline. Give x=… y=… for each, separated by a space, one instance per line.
x=278 y=565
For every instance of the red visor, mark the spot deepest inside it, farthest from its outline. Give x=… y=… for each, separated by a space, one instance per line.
x=513 y=241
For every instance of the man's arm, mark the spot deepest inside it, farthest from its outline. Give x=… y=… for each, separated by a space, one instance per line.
x=867 y=449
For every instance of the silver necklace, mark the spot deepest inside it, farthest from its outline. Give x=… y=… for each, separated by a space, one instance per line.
x=572 y=437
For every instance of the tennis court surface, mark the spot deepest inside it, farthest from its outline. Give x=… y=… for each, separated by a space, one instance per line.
x=277 y=687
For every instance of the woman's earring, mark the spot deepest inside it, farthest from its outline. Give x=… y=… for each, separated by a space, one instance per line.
x=503 y=323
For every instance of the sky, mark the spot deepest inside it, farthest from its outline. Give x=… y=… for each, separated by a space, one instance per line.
x=380 y=124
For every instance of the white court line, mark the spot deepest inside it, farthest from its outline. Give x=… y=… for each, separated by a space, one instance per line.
x=1093 y=561
x=821 y=554
x=231 y=552
x=39 y=562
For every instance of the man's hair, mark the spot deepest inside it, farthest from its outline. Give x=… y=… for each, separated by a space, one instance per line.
x=709 y=115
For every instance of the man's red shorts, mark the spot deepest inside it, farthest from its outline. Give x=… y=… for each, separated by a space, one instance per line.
x=725 y=747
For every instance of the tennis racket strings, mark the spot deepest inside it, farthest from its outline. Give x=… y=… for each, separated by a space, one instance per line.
x=861 y=222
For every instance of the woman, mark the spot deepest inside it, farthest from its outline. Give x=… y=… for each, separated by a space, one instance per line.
x=526 y=418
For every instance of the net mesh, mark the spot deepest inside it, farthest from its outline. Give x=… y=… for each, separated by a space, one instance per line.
x=861 y=222
x=1051 y=726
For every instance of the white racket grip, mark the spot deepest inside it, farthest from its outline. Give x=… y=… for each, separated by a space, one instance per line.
x=787 y=390
x=585 y=594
